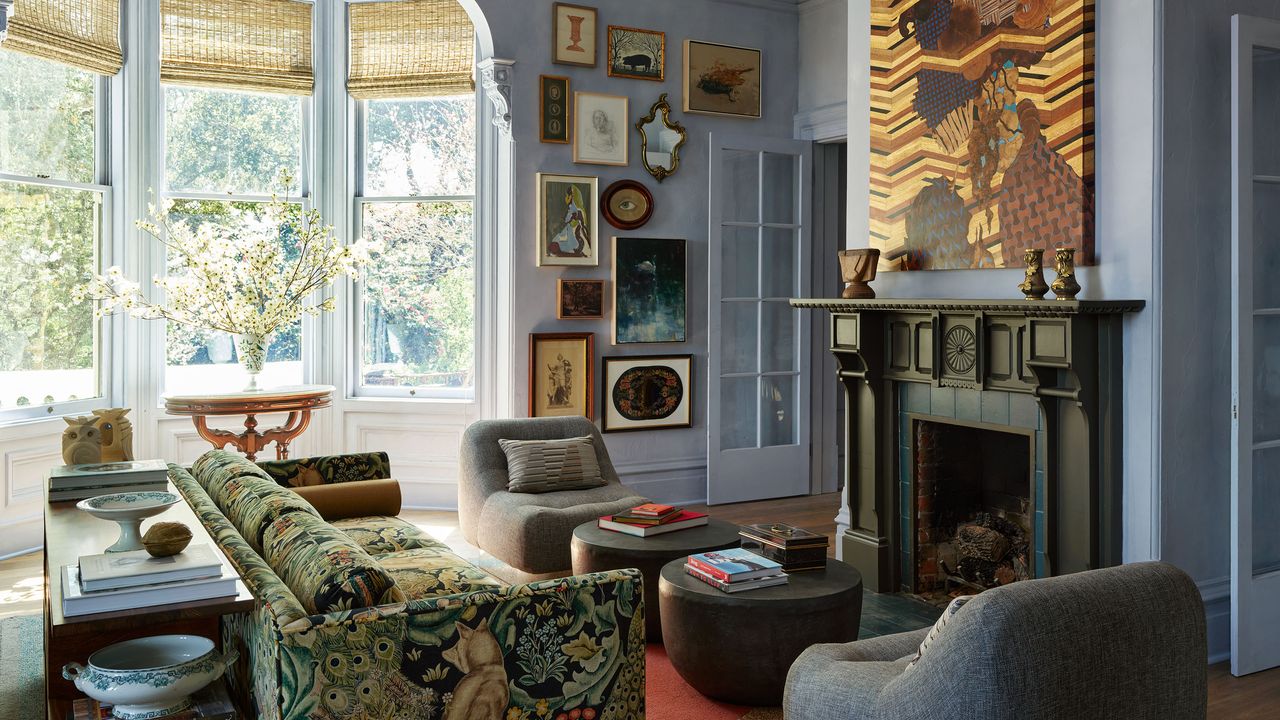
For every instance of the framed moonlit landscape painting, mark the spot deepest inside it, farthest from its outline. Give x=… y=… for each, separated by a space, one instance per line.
x=649 y=290
x=567 y=225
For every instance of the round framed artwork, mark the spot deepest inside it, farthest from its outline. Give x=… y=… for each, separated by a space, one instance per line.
x=626 y=204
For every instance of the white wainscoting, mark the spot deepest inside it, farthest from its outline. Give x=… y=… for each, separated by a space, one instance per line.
x=27 y=451
x=423 y=448
x=670 y=480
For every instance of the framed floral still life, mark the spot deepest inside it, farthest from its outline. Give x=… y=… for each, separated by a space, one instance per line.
x=567 y=224
x=560 y=374
x=721 y=79
x=580 y=299
x=600 y=129
x=573 y=39
x=648 y=392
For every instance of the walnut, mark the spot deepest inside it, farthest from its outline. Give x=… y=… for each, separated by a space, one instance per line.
x=166 y=538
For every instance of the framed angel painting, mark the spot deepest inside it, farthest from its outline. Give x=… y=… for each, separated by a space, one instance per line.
x=568 y=231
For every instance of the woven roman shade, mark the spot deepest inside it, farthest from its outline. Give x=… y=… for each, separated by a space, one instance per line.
x=410 y=48
x=257 y=45
x=80 y=33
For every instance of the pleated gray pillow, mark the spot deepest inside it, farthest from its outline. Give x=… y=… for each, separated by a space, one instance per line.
x=538 y=466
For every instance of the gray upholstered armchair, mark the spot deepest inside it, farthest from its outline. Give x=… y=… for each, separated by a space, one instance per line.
x=1123 y=642
x=530 y=532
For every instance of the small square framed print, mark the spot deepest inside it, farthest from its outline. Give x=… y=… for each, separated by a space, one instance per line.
x=647 y=392
x=561 y=374
x=600 y=129
x=553 y=109
x=573 y=39
x=579 y=299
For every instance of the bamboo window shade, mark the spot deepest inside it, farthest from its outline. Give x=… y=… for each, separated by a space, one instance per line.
x=255 y=45
x=80 y=33
x=410 y=48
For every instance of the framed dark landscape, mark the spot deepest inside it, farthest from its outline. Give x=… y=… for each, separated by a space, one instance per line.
x=580 y=299
x=647 y=392
x=650 y=289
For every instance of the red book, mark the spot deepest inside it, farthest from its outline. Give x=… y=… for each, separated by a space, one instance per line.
x=651 y=509
x=683 y=521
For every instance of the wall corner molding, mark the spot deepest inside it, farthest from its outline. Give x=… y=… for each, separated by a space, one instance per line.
x=1216 y=595
x=827 y=123
x=496 y=78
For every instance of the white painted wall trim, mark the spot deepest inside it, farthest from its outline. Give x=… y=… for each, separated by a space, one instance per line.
x=783 y=6
x=672 y=480
x=1216 y=594
x=829 y=123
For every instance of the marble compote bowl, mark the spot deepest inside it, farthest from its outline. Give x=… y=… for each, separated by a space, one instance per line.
x=129 y=510
x=150 y=677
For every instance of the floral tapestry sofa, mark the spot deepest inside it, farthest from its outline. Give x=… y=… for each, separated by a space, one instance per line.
x=371 y=618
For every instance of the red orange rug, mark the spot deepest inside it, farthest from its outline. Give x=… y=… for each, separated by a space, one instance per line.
x=668 y=697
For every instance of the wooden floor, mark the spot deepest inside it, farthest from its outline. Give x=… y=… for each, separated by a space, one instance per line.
x=1255 y=696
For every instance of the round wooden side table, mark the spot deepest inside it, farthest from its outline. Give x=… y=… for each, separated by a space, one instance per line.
x=297 y=400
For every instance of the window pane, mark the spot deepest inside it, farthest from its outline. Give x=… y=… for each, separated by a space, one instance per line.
x=233 y=142
x=420 y=147
x=419 y=297
x=47 y=247
x=203 y=360
x=46 y=119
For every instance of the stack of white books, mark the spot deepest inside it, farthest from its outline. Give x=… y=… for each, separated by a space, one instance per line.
x=129 y=580
x=77 y=482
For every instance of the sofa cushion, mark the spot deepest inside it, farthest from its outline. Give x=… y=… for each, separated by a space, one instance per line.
x=323 y=566
x=434 y=571
x=328 y=469
x=382 y=534
x=254 y=503
x=936 y=631
x=539 y=466
x=216 y=468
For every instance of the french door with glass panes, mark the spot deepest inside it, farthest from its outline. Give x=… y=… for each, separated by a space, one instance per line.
x=1255 y=382
x=759 y=346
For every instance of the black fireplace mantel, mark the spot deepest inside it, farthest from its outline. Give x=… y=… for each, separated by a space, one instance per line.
x=1067 y=354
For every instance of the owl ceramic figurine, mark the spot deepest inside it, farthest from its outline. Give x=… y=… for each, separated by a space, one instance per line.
x=81 y=441
x=117 y=434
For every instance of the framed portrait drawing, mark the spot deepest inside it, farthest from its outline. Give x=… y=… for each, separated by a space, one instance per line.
x=600 y=129
x=649 y=290
x=567 y=225
x=560 y=374
x=721 y=79
x=553 y=109
x=573 y=40
x=580 y=299
x=647 y=392
x=637 y=54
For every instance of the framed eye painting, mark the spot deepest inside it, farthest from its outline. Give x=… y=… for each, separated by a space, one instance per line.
x=567 y=228
x=561 y=379
x=647 y=392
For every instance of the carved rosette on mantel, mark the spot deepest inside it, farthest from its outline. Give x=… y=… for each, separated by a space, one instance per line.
x=1066 y=354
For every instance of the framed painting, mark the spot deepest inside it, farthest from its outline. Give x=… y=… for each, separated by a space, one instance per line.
x=561 y=374
x=600 y=125
x=637 y=54
x=722 y=79
x=567 y=228
x=573 y=39
x=990 y=105
x=553 y=109
x=647 y=392
x=580 y=299
x=650 y=288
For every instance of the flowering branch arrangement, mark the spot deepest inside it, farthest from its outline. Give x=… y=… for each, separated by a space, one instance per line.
x=236 y=282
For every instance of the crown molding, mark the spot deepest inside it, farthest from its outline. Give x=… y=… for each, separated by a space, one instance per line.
x=790 y=7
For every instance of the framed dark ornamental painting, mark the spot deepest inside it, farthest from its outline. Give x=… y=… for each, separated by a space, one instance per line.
x=647 y=392
x=561 y=379
x=982 y=131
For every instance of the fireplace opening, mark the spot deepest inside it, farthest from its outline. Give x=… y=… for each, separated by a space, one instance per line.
x=973 y=508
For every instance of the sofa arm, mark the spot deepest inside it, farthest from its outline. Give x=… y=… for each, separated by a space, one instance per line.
x=846 y=681
x=525 y=652
x=328 y=469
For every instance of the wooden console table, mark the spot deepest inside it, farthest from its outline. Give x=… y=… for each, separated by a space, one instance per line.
x=297 y=400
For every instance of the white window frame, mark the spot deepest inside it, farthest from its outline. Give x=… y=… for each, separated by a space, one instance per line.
x=360 y=200
x=105 y=253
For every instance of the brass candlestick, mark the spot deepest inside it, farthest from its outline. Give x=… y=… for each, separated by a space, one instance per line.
x=1034 y=286
x=1065 y=286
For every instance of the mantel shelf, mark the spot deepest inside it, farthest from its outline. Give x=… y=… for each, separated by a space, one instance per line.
x=1033 y=308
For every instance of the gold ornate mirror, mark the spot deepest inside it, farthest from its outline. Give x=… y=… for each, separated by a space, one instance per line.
x=660 y=140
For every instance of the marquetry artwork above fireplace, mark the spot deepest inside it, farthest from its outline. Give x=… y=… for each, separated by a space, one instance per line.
x=983 y=438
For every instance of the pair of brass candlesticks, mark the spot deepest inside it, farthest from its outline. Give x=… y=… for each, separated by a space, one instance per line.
x=1064 y=287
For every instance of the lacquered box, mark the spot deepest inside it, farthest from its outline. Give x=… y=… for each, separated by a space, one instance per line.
x=796 y=549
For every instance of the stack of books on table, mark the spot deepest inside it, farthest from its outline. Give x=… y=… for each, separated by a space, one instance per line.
x=77 y=482
x=734 y=570
x=129 y=580
x=652 y=519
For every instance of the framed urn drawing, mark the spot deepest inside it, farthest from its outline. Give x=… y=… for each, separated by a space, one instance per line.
x=573 y=40
x=579 y=299
x=649 y=290
x=722 y=79
x=600 y=129
x=567 y=224
x=560 y=374
x=647 y=392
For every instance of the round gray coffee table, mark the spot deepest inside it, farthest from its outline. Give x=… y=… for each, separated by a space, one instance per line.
x=595 y=550
x=737 y=647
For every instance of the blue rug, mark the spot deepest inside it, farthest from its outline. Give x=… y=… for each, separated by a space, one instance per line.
x=22 y=657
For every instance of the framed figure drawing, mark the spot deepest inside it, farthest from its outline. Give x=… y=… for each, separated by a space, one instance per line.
x=573 y=39
x=567 y=228
x=647 y=392
x=560 y=374
x=580 y=299
x=722 y=79
x=600 y=129
x=649 y=290
x=637 y=54
x=553 y=109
